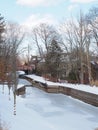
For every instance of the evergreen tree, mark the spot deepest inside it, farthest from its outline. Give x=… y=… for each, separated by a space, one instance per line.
x=1 y=32
x=53 y=59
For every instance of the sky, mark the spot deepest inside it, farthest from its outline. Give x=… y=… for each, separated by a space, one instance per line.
x=30 y=13
x=37 y=11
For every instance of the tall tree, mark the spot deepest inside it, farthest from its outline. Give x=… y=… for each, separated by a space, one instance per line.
x=42 y=36
x=77 y=35
x=92 y=21
x=13 y=39
x=2 y=28
x=53 y=59
x=2 y=62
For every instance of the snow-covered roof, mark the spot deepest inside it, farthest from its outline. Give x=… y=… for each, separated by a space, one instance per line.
x=20 y=72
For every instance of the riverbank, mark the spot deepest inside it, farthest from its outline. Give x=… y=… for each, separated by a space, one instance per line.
x=82 y=92
x=39 y=110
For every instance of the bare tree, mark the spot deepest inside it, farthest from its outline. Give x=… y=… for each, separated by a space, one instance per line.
x=68 y=44
x=42 y=36
x=2 y=61
x=13 y=39
x=76 y=35
x=36 y=40
x=92 y=21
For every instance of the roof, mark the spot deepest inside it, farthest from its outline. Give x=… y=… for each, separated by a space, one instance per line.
x=95 y=64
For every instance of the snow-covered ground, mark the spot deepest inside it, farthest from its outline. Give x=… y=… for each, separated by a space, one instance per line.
x=87 y=88
x=37 y=110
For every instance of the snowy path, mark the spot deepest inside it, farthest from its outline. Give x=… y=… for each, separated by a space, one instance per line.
x=37 y=110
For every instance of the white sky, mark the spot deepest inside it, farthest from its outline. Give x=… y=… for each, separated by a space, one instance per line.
x=32 y=12
x=28 y=11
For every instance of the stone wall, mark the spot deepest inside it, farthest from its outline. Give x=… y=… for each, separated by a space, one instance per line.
x=78 y=94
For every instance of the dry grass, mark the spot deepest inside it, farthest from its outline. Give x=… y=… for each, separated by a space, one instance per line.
x=94 y=83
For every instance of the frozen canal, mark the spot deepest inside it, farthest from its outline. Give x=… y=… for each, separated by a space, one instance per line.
x=37 y=110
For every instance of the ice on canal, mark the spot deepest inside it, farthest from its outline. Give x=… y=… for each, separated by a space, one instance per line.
x=38 y=110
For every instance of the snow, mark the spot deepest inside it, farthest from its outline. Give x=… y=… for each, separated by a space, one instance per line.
x=36 y=78
x=82 y=87
x=21 y=72
x=22 y=83
x=37 y=110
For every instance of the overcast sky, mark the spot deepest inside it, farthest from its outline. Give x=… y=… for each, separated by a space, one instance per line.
x=35 y=11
